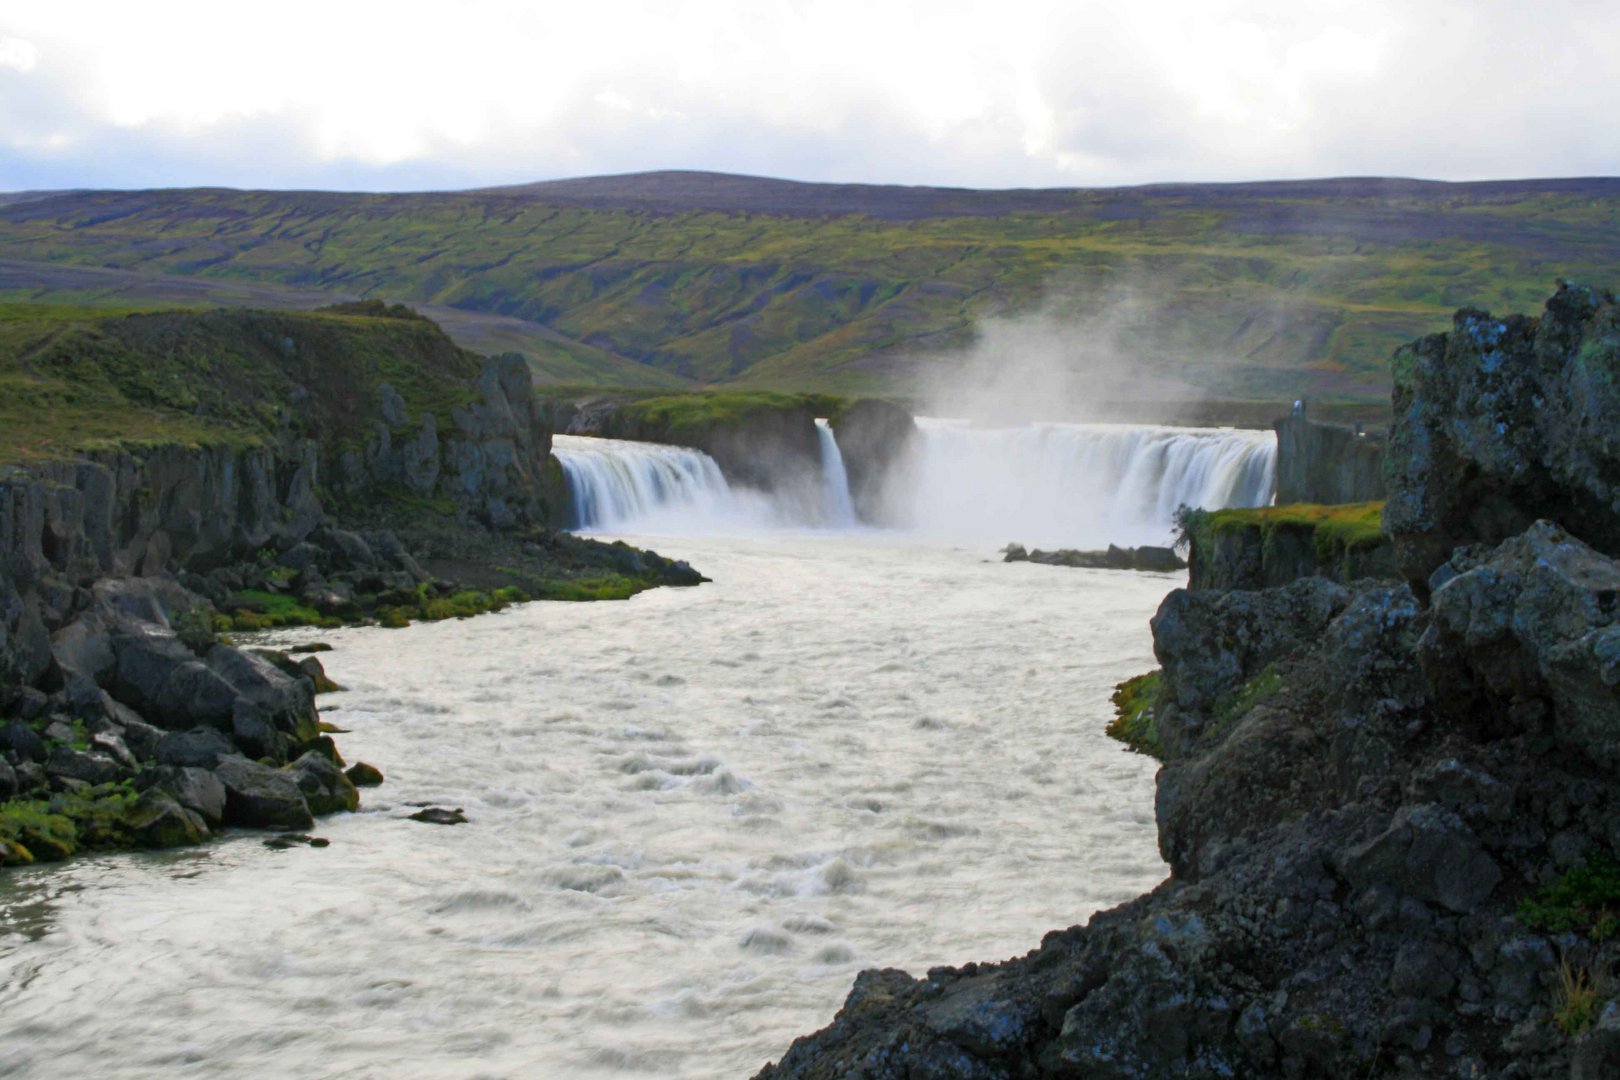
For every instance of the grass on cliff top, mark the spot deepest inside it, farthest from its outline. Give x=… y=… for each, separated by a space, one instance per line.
x=698 y=411
x=1339 y=528
x=81 y=379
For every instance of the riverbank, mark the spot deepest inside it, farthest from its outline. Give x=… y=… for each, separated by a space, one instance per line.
x=168 y=480
x=692 y=818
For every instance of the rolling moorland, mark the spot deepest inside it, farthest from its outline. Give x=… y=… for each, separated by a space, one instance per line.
x=1234 y=292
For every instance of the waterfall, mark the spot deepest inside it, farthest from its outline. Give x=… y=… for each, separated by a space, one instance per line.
x=838 y=509
x=1055 y=485
x=1080 y=485
x=615 y=483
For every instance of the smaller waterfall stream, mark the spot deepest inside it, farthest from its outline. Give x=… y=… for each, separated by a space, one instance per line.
x=838 y=509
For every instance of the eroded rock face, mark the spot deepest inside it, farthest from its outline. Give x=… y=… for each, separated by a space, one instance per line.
x=1501 y=422
x=1528 y=637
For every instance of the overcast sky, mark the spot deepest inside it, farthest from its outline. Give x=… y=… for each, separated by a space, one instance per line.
x=405 y=95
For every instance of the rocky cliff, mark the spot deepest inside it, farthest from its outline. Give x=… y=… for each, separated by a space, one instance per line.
x=1328 y=463
x=264 y=441
x=1503 y=421
x=1389 y=813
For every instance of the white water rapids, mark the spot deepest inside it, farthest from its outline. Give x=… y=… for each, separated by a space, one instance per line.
x=694 y=816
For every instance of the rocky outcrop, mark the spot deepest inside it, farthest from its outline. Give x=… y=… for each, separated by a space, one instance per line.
x=1503 y=421
x=1391 y=822
x=1328 y=463
x=1145 y=558
x=880 y=444
x=491 y=460
x=1265 y=548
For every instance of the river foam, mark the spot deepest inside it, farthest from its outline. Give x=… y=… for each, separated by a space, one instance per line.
x=694 y=816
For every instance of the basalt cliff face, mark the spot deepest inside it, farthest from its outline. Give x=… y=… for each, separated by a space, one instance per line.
x=1389 y=811
x=276 y=449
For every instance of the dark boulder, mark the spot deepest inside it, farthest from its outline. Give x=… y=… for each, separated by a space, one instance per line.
x=87 y=766
x=157 y=820
x=362 y=775
x=325 y=789
x=260 y=797
x=199 y=748
x=165 y=682
x=195 y=789
x=18 y=738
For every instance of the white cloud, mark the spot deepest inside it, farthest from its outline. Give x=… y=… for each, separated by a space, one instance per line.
x=17 y=54
x=1016 y=92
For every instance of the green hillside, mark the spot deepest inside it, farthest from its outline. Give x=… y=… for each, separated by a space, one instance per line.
x=87 y=378
x=1233 y=291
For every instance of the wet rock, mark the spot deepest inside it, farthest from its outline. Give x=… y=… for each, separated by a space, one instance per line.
x=291 y=840
x=260 y=797
x=199 y=748
x=159 y=821
x=30 y=704
x=195 y=789
x=438 y=815
x=1150 y=559
x=362 y=775
x=110 y=744
x=161 y=679
x=255 y=735
x=286 y=702
x=326 y=790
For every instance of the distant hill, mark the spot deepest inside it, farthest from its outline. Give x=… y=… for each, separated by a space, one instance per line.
x=1234 y=291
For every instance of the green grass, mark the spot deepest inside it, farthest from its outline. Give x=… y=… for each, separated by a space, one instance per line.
x=1586 y=900
x=692 y=412
x=1336 y=529
x=51 y=830
x=605 y=587
x=76 y=381
x=1134 y=724
x=1236 y=291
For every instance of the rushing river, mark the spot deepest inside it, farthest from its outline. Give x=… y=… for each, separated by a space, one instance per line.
x=694 y=816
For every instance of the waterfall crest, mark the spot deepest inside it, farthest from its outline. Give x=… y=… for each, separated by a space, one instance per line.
x=1080 y=485
x=615 y=483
